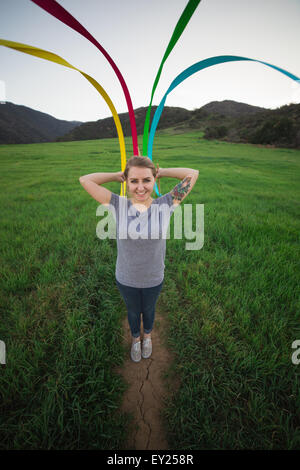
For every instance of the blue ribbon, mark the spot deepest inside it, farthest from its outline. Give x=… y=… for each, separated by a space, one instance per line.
x=203 y=64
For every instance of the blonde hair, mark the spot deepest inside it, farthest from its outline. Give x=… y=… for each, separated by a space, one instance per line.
x=144 y=162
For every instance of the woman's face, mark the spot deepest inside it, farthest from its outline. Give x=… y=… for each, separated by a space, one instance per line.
x=140 y=183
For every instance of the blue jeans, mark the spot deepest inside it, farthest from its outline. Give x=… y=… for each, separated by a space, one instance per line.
x=140 y=301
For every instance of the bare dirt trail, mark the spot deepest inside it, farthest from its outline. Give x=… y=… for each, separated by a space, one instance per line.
x=147 y=390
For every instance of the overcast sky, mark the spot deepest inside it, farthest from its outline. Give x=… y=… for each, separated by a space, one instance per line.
x=136 y=33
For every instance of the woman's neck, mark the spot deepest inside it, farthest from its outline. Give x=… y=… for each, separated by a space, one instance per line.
x=141 y=205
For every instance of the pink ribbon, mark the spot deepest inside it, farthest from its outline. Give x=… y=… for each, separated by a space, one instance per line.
x=56 y=10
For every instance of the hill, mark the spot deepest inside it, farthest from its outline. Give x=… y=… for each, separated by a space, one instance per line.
x=224 y=120
x=279 y=127
x=241 y=123
x=180 y=118
x=105 y=128
x=230 y=108
x=23 y=125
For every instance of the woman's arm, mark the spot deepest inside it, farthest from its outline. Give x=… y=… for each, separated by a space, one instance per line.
x=92 y=181
x=188 y=178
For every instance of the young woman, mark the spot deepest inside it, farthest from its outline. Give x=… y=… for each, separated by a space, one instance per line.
x=140 y=240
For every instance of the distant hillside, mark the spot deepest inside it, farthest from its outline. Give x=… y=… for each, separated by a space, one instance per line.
x=105 y=128
x=279 y=127
x=239 y=122
x=230 y=108
x=179 y=118
x=225 y=120
x=22 y=125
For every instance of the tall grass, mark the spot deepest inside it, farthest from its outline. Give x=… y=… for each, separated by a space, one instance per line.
x=61 y=314
x=232 y=307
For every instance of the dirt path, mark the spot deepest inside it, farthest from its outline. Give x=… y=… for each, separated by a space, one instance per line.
x=147 y=391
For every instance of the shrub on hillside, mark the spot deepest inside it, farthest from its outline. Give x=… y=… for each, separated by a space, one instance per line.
x=275 y=131
x=217 y=132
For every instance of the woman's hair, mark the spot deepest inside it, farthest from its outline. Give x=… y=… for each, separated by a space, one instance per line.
x=144 y=162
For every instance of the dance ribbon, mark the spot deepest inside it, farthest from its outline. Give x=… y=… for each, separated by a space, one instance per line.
x=56 y=10
x=59 y=60
x=179 y=28
x=190 y=71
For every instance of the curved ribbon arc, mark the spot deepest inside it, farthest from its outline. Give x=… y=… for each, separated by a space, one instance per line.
x=59 y=60
x=190 y=71
x=179 y=28
x=56 y=10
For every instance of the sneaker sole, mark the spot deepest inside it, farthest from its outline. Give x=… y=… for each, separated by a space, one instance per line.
x=139 y=357
x=135 y=360
x=146 y=357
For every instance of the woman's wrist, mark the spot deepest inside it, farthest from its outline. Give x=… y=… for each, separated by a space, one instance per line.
x=161 y=173
x=100 y=178
x=179 y=173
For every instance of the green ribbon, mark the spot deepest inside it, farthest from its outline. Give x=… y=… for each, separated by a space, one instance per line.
x=182 y=22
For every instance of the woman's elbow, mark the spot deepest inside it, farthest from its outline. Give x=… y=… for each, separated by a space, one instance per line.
x=195 y=174
x=82 y=179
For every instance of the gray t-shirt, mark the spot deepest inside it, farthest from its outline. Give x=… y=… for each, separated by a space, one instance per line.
x=141 y=240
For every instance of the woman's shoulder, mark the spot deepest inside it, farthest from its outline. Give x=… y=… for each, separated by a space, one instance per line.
x=165 y=199
x=113 y=202
x=115 y=199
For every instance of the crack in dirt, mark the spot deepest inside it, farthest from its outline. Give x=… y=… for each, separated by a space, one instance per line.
x=142 y=410
x=146 y=393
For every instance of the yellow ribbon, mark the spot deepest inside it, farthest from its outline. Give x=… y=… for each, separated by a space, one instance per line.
x=35 y=51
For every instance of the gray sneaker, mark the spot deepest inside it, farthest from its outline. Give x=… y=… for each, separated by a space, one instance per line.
x=136 y=351
x=147 y=348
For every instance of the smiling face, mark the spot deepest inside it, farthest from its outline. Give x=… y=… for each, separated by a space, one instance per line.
x=140 y=184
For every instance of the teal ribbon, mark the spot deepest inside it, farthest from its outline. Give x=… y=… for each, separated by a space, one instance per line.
x=203 y=64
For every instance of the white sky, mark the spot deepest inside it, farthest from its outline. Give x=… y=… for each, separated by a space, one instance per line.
x=136 y=33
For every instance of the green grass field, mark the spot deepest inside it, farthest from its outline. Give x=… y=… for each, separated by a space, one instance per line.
x=232 y=307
